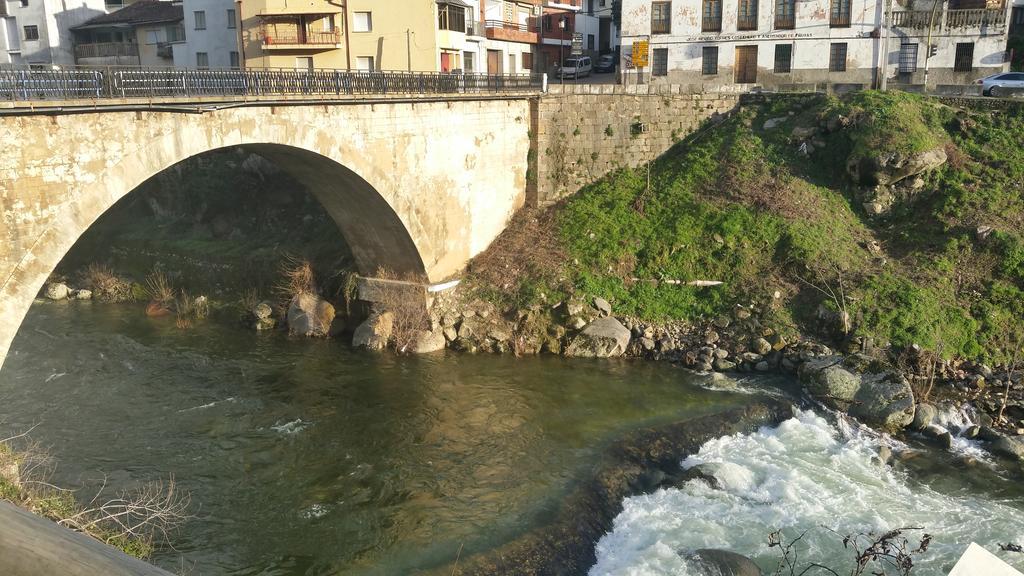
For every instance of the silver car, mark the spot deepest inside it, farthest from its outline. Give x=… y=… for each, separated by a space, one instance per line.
x=1004 y=84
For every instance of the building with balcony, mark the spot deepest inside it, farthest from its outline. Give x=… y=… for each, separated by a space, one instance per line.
x=968 y=41
x=844 y=44
x=559 y=22
x=286 y=34
x=512 y=36
x=479 y=36
x=38 y=32
x=140 y=34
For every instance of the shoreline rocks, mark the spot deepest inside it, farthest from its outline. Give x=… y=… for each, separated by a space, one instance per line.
x=309 y=315
x=603 y=338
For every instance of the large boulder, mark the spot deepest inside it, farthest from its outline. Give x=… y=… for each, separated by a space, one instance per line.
x=428 y=341
x=870 y=392
x=57 y=291
x=923 y=416
x=1006 y=446
x=375 y=332
x=309 y=315
x=891 y=168
x=829 y=381
x=721 y=563
x=884 y=401
x=602 y=338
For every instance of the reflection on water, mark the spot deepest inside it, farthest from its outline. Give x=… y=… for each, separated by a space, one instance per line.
x=304 y=457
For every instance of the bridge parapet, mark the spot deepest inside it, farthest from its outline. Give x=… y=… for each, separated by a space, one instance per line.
x=111 y=83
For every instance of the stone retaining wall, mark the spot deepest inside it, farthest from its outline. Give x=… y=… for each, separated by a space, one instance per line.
x=585 y=131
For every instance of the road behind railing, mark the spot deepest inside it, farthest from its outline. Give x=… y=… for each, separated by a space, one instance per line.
x=93 y=83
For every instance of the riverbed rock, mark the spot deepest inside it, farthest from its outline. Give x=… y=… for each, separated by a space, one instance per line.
x=884 y=455
x=722 y=563
x=722 y=382
x=428 y=341
x=827 y=380
x=884 y=401
x=375 y=332
x=83 y=294
x=760 y=346
x=1008 y=447
x=938 y=435
x=603 y=306
x=602 y=338
x=723 y=365
x=923 y=416
x=309 y=315
x=263 y=310
x=56 y=291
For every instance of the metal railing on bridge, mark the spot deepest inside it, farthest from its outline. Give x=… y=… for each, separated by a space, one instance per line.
x=76 y=83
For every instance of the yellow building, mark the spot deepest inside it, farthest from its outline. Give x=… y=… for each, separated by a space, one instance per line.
x=299 y=34
x=416 y=35
x=393 y=35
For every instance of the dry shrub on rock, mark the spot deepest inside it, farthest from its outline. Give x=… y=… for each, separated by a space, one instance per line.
x=296 y=278
x=405 y=298
x=159 y=288
x=105 y=285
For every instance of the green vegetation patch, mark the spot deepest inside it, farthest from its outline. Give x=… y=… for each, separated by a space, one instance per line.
x=743 y=204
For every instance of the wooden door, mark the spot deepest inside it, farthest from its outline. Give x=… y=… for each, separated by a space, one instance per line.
x=494 y=62
x=746 y=64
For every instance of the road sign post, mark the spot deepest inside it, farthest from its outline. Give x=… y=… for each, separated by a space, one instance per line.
x=577 y=50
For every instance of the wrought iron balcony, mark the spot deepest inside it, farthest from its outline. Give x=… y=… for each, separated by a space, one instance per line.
x=299 y=37
x=106 y=50
x=746 y=22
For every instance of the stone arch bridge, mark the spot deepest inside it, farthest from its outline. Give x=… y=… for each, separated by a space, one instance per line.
x=420 y=171
x=419 y=185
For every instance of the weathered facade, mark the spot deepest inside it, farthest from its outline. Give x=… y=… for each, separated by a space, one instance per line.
x=418 y=187
x=38 y=32
x=723 y=45
x=214 y=44
x=140 y=34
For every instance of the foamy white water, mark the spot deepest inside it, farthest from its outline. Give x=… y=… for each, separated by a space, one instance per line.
x=801 y=475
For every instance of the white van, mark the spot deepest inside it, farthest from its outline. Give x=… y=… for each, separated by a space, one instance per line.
x=575 y=67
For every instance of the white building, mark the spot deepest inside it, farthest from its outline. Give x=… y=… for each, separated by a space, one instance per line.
x=742 y=44
x=211 y=35
x=38 y=32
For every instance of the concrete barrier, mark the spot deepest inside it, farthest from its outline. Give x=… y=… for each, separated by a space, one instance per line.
x=34 y=546
x=977 y=561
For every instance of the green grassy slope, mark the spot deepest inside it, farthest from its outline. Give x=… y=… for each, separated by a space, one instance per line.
x=746 y=206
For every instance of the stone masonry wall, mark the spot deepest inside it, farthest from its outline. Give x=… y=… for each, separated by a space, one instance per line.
x=586 y=131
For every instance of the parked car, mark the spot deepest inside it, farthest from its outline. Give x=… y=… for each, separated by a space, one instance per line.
x=577 y=67
x=606 y=63
x=1004 y=84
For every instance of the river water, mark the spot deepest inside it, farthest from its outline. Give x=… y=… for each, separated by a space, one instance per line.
x=304 y=457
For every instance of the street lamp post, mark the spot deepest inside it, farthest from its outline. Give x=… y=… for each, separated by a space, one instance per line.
x=563 y=25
